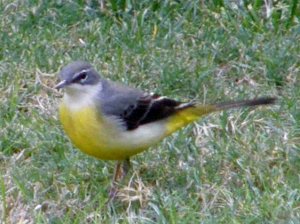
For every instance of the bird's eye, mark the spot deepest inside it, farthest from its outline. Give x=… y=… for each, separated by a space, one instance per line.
x=81 y=77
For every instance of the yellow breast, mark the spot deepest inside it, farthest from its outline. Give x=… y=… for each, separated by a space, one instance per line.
x=101 y=138
x=84 y=127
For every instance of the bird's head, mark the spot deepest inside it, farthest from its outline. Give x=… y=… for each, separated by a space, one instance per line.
x=78 y=77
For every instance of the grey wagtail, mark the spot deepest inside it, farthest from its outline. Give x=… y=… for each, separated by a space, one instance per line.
x=114 y=122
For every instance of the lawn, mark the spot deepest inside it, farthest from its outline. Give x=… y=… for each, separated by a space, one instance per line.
x=238 y=166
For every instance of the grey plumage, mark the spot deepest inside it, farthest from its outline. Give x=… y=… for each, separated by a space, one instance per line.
x=71 y=72
x=115 y=99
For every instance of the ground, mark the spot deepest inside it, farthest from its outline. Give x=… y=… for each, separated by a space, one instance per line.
x=239 y=166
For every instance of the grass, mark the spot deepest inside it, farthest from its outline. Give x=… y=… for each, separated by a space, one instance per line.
x=239 y=166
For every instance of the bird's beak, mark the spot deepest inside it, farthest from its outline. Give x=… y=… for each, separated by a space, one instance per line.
x=61 y=85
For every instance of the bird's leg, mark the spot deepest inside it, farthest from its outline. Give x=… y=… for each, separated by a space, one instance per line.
x=125 y=168
x=121 y=170
x=113 y=188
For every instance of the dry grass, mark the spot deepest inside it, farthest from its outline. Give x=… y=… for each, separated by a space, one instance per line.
x=240 y=166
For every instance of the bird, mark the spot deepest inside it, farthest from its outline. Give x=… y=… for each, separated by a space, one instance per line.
x=111 y=121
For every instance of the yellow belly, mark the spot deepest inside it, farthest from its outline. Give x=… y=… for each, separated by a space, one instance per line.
x=101 y=138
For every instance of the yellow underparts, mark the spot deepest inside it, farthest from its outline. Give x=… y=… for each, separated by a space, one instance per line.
x=101 y=138
x=92 y=134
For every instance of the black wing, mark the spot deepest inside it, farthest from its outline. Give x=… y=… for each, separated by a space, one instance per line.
x=135 y=108
x=150 y=108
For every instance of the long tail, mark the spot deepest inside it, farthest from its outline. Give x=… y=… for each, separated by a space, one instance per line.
x=245 y=103
x=191 y=112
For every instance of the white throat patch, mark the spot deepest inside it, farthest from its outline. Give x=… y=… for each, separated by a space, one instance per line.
x=78 y=96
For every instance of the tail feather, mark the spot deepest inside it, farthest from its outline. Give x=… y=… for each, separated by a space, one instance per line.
x=245 y=103
x=188 y=113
